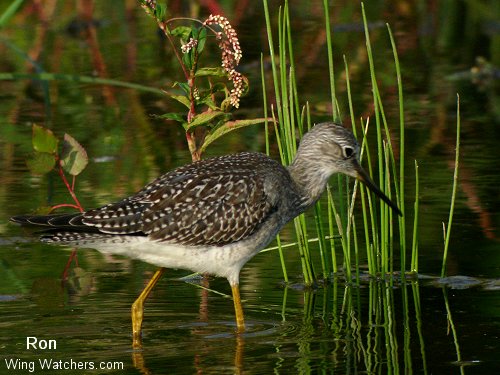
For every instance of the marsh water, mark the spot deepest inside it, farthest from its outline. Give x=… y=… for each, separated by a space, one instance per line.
x=77 y=306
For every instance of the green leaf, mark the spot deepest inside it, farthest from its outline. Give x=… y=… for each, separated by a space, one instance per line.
x=214 y=72
x=204 y=118
x=194 y=32
x=182 y=99
x=74 y=158
x=44 y=140
x=226 y=105
x=207 y=100
x=207 y=96
x=179 y=117
x=41 y=162
x=229 y=127
x=184 y=86
x=9 y=12
x=160 y=12
x=202 y=37
x=181 y=32
x=186 y=60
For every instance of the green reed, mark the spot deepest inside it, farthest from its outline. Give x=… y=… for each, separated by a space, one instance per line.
x=384 y=335
x=290 y=116
x=453 y=329
x=9 y=12
x=331 y=70
x=384 y=235
x=414 y=249
x=418 y=320
x=379 y=231
x=266 y=128
x=401 y=197
x=453 y=194
x=384 y=152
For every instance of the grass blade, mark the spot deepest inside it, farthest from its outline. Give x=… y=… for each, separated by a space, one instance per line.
x=454 y=192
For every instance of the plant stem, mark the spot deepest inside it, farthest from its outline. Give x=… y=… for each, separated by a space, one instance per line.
x=57 y=206
x=329 y=44
x=414 y=250
x=70 y=189
x=401 y=195
x=454 y=192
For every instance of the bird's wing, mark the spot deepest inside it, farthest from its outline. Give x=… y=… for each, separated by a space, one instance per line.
x=122 y=217
x=213 y=202
x=125 y=216
x=208 y=209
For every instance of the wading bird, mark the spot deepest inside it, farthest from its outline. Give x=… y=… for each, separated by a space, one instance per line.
x=213 y=215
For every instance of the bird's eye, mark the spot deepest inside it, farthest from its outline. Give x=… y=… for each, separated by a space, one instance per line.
x=348 y=152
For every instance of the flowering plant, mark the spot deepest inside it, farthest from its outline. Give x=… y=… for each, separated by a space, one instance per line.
x=208 y=112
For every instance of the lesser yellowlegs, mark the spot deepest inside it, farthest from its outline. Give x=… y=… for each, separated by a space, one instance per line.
x=212 y=216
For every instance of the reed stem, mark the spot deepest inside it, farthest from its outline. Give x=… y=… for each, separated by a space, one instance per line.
x=453 y=194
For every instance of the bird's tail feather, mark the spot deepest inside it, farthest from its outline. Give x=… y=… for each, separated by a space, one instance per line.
x=57 y=221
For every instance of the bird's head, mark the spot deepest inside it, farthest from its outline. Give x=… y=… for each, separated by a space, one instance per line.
x=333 y=149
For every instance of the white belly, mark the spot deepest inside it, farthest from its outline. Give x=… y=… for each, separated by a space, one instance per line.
x=224 y=261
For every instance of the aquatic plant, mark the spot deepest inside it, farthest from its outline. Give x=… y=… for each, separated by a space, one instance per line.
x=383 y=233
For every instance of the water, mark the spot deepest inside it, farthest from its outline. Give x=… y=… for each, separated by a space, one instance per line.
x=288 y=329
x=424 y=326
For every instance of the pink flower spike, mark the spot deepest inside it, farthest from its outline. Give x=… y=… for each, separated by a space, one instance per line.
x=231 y=54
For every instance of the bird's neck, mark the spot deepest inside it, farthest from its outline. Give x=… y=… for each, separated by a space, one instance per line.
x=309 y=178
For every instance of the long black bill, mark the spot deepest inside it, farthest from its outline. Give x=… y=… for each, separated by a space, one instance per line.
x=365 y=178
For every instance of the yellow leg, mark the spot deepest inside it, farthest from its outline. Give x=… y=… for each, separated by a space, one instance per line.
x=238 y=310
x=138 y=308
x=239 y=354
